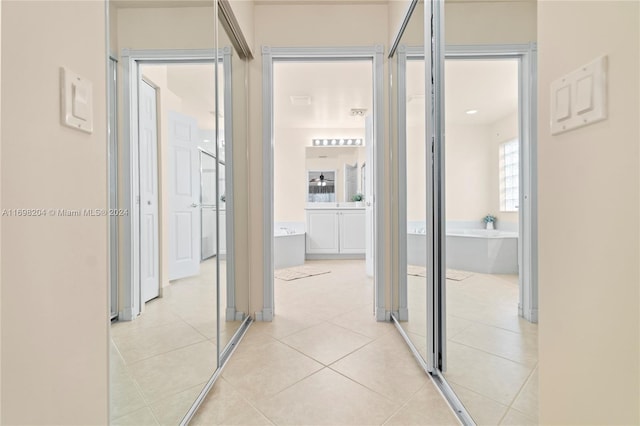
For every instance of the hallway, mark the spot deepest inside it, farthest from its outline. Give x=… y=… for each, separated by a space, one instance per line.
x=324 y=360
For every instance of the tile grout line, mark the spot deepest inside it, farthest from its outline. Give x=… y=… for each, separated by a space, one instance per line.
x=519 y=392
x=495 y=355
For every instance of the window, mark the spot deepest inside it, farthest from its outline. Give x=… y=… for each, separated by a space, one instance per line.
x=509 y=176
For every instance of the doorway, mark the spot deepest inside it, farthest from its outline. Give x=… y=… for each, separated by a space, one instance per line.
x=173 y=245
x=335 y=230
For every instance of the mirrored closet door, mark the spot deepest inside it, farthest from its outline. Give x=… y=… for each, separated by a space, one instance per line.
x=477 y=253
x=179 y=109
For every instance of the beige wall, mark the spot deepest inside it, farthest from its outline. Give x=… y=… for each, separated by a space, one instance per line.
x=166 y=28
x=588 y=221
x=490 y=22
x=243 y=11
x=54 y=269
x=397 y=11
x=303 y=25
x=468 y=174
x=1 y=206
x=416 y=171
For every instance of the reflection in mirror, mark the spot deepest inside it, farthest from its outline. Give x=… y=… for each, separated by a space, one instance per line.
x=482 y=187
x=409 y=86
x=232 y=142
x=165 y=336
x=334 y=172
x=416 y=222
x=491 y=350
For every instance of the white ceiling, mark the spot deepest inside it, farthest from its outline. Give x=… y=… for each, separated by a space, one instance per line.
x=488 y=86
x=334 y=88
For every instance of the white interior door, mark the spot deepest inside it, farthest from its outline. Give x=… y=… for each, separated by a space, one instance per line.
x=148 y=144
x=369 y=199
x=184 y=197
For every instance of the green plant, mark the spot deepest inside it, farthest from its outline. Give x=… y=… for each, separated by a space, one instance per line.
x=489 y=219
x=357 y=197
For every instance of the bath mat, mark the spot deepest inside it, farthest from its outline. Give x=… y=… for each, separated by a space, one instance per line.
x=455 y=275
x=290 y=274
x=452 y=274
x=416 y=271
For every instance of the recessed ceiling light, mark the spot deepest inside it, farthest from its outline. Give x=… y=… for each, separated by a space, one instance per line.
x=471 y=111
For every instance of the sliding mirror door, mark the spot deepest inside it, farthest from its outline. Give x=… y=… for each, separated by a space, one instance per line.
x=231 y=153
x=164 y=341
x=409 y=83
x=485 y=204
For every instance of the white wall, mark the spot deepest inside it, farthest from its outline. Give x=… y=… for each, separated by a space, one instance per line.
x=588 y=223
x=53 y=269
x=304 y=25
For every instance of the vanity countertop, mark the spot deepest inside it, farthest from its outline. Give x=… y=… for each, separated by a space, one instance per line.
x=334 y=206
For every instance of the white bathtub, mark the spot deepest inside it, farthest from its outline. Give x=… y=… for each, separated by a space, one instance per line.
x=481 y=250
x=289 y=248
x=475 y=250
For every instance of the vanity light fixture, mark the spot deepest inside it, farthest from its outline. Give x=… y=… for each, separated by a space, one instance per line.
x=337 y=142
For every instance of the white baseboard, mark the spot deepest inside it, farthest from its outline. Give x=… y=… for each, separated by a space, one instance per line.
x=403 y=314
x=126 y=315
x=264 y=315
x=382 y=315
x=230 y=314
x=334 y=256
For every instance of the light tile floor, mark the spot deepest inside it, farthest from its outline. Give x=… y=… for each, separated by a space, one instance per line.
x=324 y=360
x=492 y=353
x=160 y=361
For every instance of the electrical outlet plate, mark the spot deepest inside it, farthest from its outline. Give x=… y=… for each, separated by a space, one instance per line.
x=579 y=98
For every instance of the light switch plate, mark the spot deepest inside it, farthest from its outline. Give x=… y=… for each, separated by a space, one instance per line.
x=76 y=101
x=579 y=98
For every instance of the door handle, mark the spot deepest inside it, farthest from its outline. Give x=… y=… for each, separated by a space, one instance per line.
x=194 y=205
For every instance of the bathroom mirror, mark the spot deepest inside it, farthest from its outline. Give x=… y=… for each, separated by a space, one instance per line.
x=334 y=173
x=172 y=122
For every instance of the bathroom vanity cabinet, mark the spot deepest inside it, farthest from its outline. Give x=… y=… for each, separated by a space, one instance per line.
x=338 y=231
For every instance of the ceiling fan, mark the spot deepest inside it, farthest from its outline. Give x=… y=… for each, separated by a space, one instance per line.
x=321 y=181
